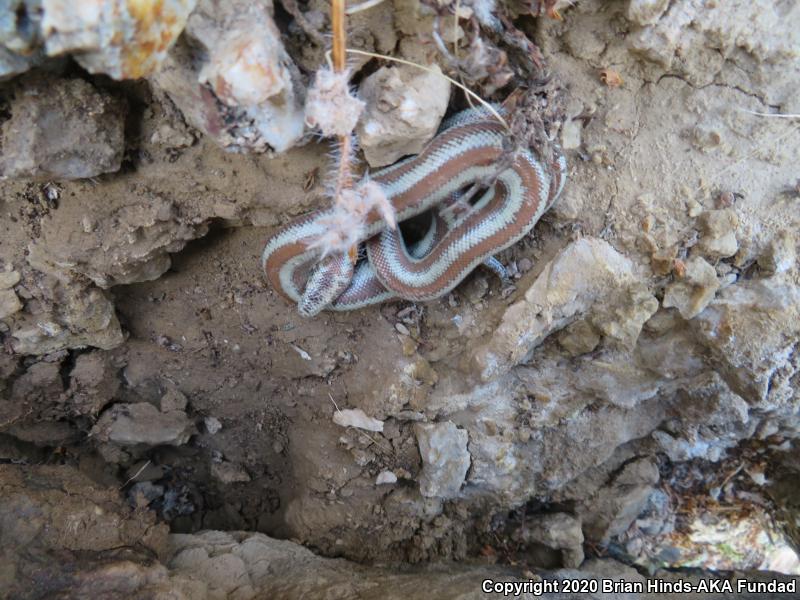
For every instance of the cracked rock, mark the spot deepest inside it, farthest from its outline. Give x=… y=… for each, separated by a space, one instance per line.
x=62 y=129
x=751 y=329
x=72 y=317
x=93 y=383
x=616 y=505
x=445 y=458
x=143 y=423
x=587 y=278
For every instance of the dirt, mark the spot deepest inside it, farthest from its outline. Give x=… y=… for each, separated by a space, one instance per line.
x=151 y=276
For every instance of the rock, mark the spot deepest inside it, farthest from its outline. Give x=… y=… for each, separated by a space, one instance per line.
x=143 y=423
x=8 y=279
x=213 y=425
x=62 y=129
x=385 y=477
x=232 y=78
x=13 y=64
x=663 y=261
x=114 y=37
x=780 y=254
x=111 y=37
x=41 y=506
x=559 y=531
x=252 y=565
x=9 y=303
x=578 y=338
x=73 y=317
x=171 y=136
x=646 y=12
x=174 y=399
x=143 y=493
x=696 y=43
x=612 y=509
x=750 y=330
x=571 y=135
x=718 y=233
x=130 y=242
x=355 y=417
x=404 y=108
x=445 y=458
x=693 y=292
x=587 y=279
x=93 y=383
x=228 y=472
x=621 y=324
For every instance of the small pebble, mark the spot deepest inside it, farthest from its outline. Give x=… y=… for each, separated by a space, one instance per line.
x=524 y=265
x=212 y=424
x=402 y=329
x=386 y=477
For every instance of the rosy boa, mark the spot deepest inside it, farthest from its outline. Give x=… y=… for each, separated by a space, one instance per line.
x=464 y=152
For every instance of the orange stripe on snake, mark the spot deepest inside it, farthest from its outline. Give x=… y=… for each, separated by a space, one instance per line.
x=463 y=153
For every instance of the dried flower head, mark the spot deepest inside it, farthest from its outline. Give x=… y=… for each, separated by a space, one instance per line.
x=330 y=105
x=346 y=223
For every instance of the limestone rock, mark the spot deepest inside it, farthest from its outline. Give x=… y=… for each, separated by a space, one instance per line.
x=129 y=241
x=93 y=383
x=694 y=39
x=227 y=472
x=173 y=399
x=692 y=293
x=355 y=417
x=232 y=78
x=780 y=254
x=587 y=278
x=9 y=303
x=404 y=108
x=751 y=329
x=114 y=37
x=8 y=279
x=558 y=531
x=74 y=317
x=579 y=338
x=445 y=458
x=646 y=12
x=143 y=423
x=616 y=505
x=718 y=233
x=62 y=129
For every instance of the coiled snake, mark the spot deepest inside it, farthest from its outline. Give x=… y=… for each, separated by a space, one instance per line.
x=464 y=152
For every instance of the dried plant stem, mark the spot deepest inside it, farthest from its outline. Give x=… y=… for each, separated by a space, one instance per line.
x=339 y=35
x=344 y=173
x=467 y=91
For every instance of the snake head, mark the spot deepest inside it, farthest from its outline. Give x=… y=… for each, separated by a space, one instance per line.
x=330 y=277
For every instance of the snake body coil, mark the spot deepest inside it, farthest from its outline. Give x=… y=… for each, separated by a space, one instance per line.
x=465 y=152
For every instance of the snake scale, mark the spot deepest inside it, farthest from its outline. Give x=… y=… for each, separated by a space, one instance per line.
x=466 y=151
